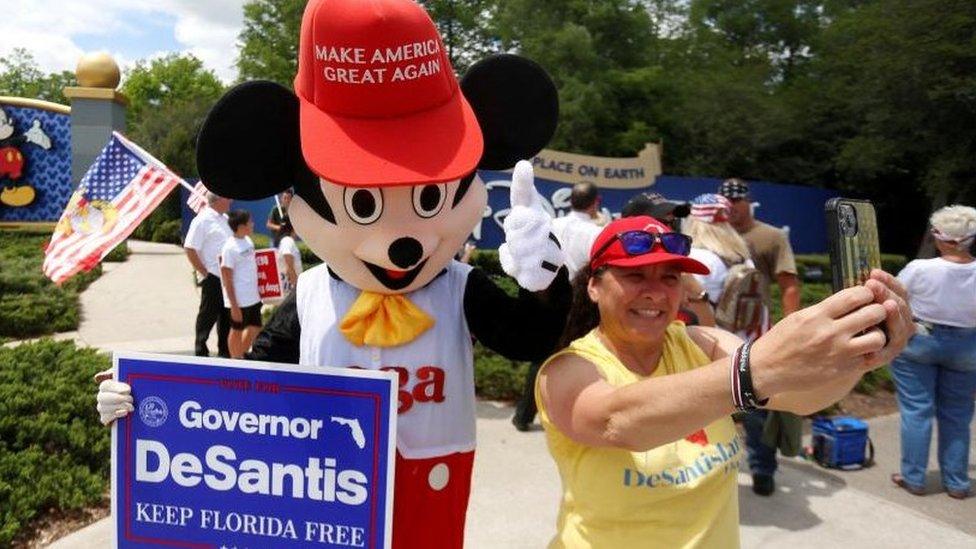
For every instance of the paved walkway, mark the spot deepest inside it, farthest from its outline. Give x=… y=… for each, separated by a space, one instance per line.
x=516 y=488
x=154 y=292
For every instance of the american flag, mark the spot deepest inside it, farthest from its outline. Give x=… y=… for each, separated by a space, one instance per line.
x=122 y=187
x=198 y=197
x=711 y=208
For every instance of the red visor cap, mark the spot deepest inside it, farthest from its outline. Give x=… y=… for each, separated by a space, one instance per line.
x=616 y=256
x=380 y=104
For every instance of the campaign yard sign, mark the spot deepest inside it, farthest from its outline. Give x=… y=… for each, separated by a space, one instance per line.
x=222 y=453
x=269 y=278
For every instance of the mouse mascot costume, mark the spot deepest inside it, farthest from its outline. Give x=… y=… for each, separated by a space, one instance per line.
x=381 y=144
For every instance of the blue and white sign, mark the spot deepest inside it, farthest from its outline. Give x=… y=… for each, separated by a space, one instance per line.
x=795 y=208
x=223 y=454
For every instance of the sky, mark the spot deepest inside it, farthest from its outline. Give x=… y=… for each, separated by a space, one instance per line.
x=58 y=32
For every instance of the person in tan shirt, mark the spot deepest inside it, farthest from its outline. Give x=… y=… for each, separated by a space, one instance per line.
x=769 y=246
x=773 y=256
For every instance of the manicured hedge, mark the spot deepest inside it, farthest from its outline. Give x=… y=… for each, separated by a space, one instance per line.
x=496 y=377
x=30 y=304
x=168 y=232
x=893 y=263
x=168 y=211
x=54 y=454
x=118 y=254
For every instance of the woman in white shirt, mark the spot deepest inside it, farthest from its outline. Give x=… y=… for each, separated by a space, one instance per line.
x=936 y=373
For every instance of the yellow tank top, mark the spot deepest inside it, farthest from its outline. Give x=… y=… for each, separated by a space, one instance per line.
x=681 y=494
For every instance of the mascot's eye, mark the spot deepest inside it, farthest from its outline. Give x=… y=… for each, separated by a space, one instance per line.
x=364 y=206
x=429 y=199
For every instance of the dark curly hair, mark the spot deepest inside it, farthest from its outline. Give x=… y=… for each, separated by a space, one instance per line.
x=583 y=313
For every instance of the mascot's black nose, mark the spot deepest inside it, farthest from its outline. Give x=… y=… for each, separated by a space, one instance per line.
x=405 y=252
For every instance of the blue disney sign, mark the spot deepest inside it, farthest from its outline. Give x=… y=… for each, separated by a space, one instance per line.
x=227 y=453
x=35 y=160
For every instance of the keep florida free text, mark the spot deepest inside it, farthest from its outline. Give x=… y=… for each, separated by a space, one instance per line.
x=250 y=524
x=220 y=467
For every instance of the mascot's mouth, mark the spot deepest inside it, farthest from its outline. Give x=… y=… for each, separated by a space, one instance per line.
x=395 y=280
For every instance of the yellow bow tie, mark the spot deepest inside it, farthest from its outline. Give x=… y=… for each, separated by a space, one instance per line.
x=383 y=320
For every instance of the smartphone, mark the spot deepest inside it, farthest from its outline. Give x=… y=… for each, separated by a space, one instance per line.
x=852 y=235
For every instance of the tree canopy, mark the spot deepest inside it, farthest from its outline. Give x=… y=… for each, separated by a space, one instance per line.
x=169 y=97
x=20 y=77
x=876 y=98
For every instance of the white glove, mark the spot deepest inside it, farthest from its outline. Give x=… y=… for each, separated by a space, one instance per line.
x=531 y=254
x=114 y=398
x=37 y=136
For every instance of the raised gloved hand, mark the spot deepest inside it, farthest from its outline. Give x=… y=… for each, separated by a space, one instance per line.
x=531 y=254
x=114 y=398
x=37 y=136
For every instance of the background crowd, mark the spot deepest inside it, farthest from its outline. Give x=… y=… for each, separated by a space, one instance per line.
x=935 y=377
x=219 y=247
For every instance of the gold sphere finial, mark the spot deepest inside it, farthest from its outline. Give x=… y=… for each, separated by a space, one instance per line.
x=98 y=70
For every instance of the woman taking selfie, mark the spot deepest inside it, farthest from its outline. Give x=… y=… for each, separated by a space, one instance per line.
x=636 y=408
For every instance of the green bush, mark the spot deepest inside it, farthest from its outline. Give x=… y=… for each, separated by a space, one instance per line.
x=496 y=377
x=81 y=281
x=119 y=253
x=54 y=455
x=26 y=315
x=30 y=304
x=309 y=259
x=169 y=210
x=811 y=294
x=889 y=262
x=875 y=380
x=488 y=261
x=261 y=240
x=168 y=232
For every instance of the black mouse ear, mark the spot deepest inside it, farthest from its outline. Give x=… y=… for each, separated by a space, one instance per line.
x=517 y=108
x=250 y=145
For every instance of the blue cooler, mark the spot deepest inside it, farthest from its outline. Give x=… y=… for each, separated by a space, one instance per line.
x=842 y=442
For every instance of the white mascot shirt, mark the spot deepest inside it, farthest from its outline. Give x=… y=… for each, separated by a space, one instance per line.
x=436 y=393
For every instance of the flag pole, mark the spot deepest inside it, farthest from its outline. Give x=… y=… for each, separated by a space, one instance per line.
x=192 y=190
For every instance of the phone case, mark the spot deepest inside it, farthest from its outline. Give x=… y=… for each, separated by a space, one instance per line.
x=852 y=253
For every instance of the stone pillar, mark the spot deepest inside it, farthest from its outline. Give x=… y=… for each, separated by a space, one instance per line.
x=97 y=109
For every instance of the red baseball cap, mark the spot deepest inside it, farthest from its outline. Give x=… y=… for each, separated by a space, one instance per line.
x=380 y=104
x=613 y=252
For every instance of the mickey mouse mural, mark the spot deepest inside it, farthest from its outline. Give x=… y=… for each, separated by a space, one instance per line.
x=16 y=193
x=381 y=145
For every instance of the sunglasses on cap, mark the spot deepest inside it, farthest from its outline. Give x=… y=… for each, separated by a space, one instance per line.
x=642 y=242
x=942 y=237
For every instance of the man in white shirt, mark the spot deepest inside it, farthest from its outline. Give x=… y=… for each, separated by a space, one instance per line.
x=239 y=275
x=577 y=230
x=206 y=236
